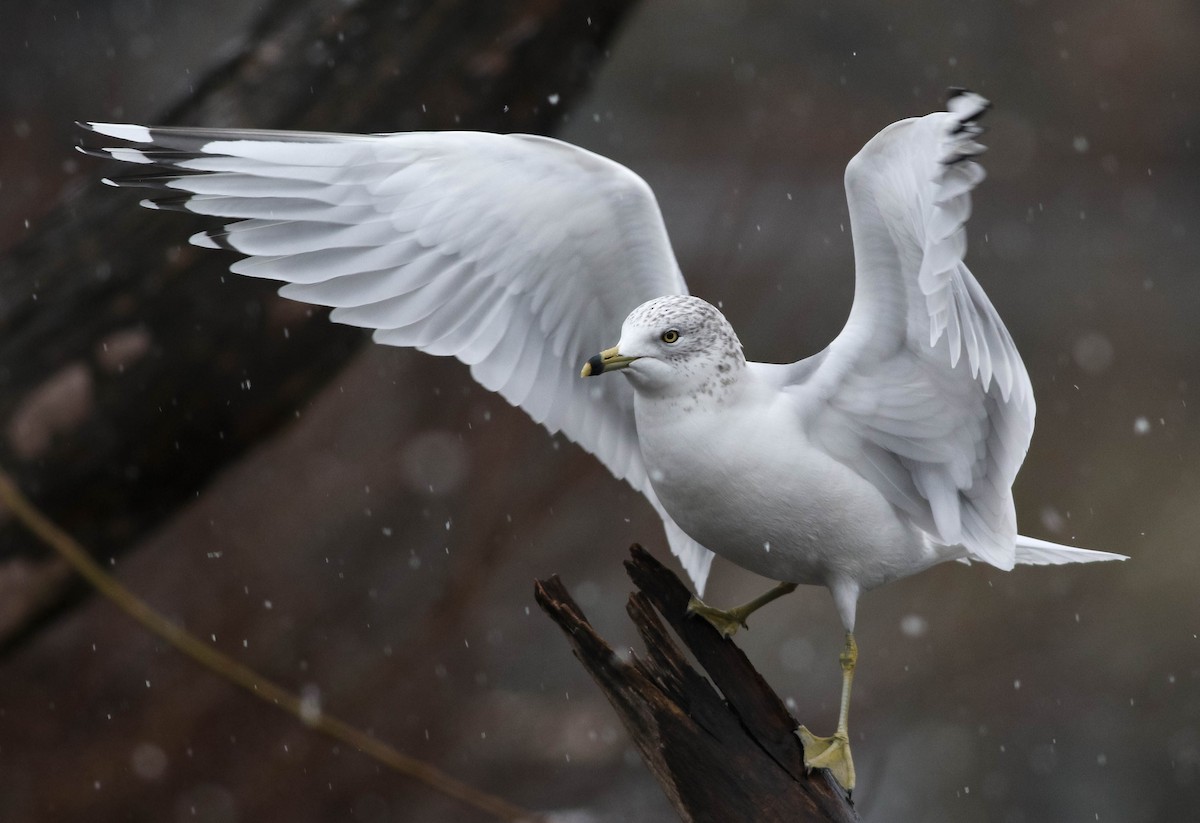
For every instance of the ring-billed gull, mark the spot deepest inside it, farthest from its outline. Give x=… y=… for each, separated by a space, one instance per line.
x=892 y=450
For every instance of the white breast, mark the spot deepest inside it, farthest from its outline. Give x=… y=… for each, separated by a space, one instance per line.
x=740 y=477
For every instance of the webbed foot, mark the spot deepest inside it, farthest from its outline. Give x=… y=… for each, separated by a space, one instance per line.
x=726 y=622
x=831 y=753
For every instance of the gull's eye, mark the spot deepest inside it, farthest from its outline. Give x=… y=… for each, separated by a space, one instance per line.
x=670 y=336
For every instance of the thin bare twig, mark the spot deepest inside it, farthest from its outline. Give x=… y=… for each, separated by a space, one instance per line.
x=229 y=669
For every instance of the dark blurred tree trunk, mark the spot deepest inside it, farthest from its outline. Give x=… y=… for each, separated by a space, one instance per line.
x=130 y=369
x=727 y=755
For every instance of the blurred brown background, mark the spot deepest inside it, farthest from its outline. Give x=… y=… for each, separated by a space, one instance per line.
x=379 y=551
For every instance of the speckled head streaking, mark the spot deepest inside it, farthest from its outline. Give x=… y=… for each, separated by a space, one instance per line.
x=675 y=345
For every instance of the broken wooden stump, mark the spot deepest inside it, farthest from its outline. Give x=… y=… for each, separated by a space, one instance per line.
x=722 y=748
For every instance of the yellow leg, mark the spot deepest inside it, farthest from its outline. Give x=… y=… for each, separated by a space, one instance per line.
x=727 y=622
x=833 y=753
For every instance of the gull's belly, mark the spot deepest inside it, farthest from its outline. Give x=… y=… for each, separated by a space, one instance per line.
x=753 y=489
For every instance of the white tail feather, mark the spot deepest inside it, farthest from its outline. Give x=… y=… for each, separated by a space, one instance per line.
x=1034 y=552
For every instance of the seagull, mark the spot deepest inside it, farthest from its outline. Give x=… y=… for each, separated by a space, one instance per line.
x=891 y=451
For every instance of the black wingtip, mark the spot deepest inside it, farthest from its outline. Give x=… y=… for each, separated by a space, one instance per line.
x=969 y=111
x=213 y=239
x=955 y=92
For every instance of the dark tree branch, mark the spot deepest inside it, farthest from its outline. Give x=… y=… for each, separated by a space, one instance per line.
x=731 y=758
x=131 y=367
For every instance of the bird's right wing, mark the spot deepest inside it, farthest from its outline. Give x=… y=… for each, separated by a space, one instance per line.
x=518 y=255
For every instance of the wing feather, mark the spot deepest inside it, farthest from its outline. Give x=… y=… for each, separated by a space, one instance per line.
x=518 y=255
x=924 y=391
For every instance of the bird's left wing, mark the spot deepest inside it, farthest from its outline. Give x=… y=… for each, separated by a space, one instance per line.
x=518 y=255
x=923 y=391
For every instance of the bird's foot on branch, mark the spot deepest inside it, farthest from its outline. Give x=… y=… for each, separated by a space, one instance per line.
x=726 y=622
x=831 y=753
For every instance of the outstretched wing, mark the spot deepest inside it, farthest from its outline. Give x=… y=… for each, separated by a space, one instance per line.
x=518 y=255
x=923 y=391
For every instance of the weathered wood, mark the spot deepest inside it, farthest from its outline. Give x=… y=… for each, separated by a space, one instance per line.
x=131 y=366
x=730 y=758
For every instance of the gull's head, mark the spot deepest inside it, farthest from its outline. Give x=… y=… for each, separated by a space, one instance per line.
x=672 y=345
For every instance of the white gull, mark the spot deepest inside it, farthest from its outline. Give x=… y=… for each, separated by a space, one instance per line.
x=892 y=450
